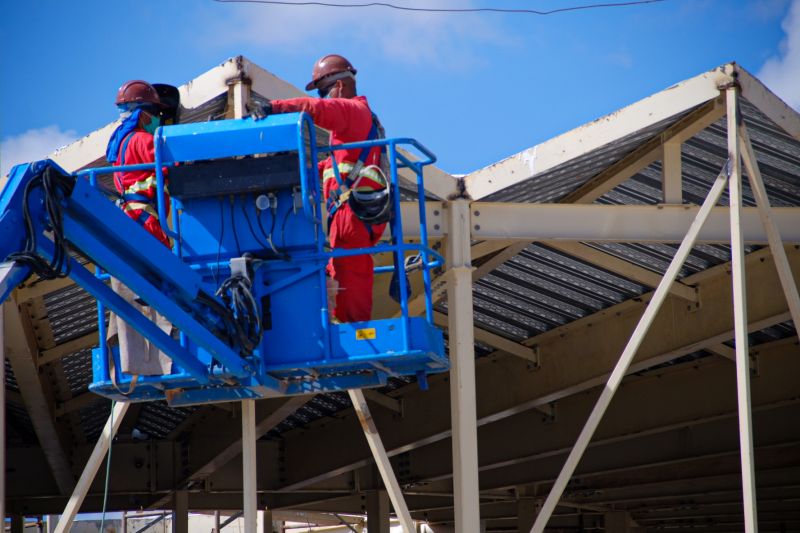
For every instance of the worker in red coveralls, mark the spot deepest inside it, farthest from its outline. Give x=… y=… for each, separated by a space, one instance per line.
x=132 y=144
x=349 y=119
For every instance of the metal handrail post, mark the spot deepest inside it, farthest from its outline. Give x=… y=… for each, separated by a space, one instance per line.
x=397 y=232
x=423 y=231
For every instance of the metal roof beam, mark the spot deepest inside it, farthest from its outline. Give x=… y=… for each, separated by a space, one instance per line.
x=75 y=345
x=78 y=402
x=768 y=103
x=648 y=406
x=565 y=369
x=22 y=351
x=647 y=153
x=670 y=102
x=624 y=268
x=622 y=223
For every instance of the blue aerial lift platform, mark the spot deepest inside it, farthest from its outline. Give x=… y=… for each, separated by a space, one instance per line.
x=245 y=203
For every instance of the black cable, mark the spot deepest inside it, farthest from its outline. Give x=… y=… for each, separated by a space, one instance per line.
x=261 y=226
x=447 y=10
x=233 y=226
x=55 y=187
x=283 y=226
x=236 y=292
x=250 y=225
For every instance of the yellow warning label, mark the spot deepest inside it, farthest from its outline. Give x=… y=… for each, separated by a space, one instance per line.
x=365 y=334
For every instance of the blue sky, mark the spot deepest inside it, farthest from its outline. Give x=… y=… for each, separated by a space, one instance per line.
x=475 y=88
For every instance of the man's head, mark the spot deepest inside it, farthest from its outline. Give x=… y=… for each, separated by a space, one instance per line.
x=138 y=94
x=333 y=76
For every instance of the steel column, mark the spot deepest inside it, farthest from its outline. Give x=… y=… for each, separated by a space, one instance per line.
x=216 y=522
x=381 y=459
x=627 y=356
x=249 y=485
x=740 y=314
x=17 y=523
x=378 y=519
x=180 y=512
x=463 y=412
x=240 y=88
x=92 y=465
x=526 y=514
x=267 y=521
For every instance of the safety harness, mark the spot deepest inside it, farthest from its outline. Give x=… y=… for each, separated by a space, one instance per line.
x=355 y=171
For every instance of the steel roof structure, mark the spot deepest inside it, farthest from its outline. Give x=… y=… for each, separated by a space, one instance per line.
x=553 y=257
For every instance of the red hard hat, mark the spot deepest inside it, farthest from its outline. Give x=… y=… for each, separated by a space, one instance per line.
x=330 y=64
x=137 y=92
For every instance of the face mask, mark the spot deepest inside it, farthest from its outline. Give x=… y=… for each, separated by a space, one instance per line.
x=155 y=122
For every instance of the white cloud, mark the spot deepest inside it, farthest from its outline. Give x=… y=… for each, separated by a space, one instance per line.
x=32 y=145
x=782 y=74
x=405 y=36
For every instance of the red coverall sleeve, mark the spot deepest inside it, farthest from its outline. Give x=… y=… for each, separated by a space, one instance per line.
x=347 y=116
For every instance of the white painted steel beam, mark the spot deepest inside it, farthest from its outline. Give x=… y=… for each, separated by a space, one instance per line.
x=436 y=181
x=622 y=223
x=92 y=466
x=601 y=132
x=740 y=314
x=627 y=356
x=249 y=485
x=493 y=340
x=672 y=184
x=75 y=345
x=462 y=370
x=776 y=241
x=434 y=213
x=768 y=103
x=381 y=459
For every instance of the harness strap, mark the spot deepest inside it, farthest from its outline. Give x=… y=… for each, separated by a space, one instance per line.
x=362 y=159
x=130 y=199
x=337 y=197
x=121 y=158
